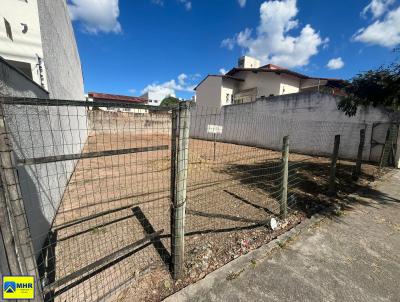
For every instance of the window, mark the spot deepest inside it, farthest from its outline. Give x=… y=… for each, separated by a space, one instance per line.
x=228 y=98
x=8 y=29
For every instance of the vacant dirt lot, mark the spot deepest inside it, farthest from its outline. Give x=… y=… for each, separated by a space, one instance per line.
x=126 y=197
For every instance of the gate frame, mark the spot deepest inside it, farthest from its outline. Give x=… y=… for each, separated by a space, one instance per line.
x=396 y=143
x=15 y=227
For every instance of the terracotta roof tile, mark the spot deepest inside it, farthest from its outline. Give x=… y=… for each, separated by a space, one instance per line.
x=116 y=97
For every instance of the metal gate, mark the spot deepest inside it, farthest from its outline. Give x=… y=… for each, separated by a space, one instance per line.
x=384 y=134
x=86 y=193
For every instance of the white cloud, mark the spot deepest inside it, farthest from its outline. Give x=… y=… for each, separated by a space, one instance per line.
x=384 y=32
x=182 y=78
x=242 y=3
x=187 y=4
x=228 y=43
x=169 y=88
x=222 y=71
x=158 y=2
x=272 y=41
x=377 y=8
x=96 y=15
x=335 y=63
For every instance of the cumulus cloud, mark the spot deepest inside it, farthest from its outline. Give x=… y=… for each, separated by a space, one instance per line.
x=228 y=43
x=384 y=32
x=96 y=15
x=377 y=8
x=272 y=41
x=242 y=3
x=187 y=4
x=183 y=82
x=222 y=71
x=335 y=63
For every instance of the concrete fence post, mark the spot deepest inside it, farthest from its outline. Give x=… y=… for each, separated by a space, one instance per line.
x=14 y=223
x=357 y=170
x=335 y=155
x=179 y=171
x=285 y=178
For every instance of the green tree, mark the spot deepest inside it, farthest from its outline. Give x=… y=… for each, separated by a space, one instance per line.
x=170 y=101
x=374 y=87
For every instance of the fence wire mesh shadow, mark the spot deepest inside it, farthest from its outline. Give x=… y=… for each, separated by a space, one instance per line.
x=105 y=185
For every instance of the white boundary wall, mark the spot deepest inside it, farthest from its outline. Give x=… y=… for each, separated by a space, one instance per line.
x=311 y=119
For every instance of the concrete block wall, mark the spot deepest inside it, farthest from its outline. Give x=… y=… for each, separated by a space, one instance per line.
x=311 y=119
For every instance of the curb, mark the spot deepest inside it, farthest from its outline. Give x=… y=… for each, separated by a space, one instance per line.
x=242 y=263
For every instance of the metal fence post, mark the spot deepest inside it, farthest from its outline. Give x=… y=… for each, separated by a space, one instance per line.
x=13 y=210
x=335 y=155
x=285 y=177
x=357 y=170
x=179 y=161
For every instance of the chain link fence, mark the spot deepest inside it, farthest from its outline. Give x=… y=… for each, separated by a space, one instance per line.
x=100 y=196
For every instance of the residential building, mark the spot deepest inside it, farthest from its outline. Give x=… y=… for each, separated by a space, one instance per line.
x=118 y=99
x=21 y=39
x=155 y=98
x=37 y=40
x=251 y=81
x=39 y=59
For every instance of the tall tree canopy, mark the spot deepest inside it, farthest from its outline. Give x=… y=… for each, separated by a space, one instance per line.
x=374 y=87
x=170 y=101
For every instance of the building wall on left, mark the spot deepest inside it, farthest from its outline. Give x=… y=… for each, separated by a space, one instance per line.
x=60 y=52
x=38 y=131
x=20 y=37
x=14 y=83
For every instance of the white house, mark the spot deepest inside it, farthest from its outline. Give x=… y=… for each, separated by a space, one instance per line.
x=250 y=81
x=21 y=40
x=155 y=97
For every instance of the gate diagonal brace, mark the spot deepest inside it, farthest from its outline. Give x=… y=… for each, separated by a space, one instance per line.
x=101 y=263
x=57 y=158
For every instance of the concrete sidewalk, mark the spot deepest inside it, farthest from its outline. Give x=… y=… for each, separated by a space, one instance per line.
x=354 y=257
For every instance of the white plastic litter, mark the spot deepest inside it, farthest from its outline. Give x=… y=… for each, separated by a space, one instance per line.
x=273 y=223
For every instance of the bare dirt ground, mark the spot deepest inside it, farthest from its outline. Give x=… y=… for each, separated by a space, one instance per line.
x=230 y=201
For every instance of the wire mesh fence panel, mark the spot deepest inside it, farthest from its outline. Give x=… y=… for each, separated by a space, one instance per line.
x=116 y=192
x=234 y=188
x=236 y=174
x=96 y=190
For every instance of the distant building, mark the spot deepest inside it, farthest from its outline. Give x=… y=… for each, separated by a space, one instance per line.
x=250 y=81
x=156 y=97
x=118 y=99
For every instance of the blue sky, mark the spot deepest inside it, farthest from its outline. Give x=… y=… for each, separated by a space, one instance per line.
x=129 y=46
